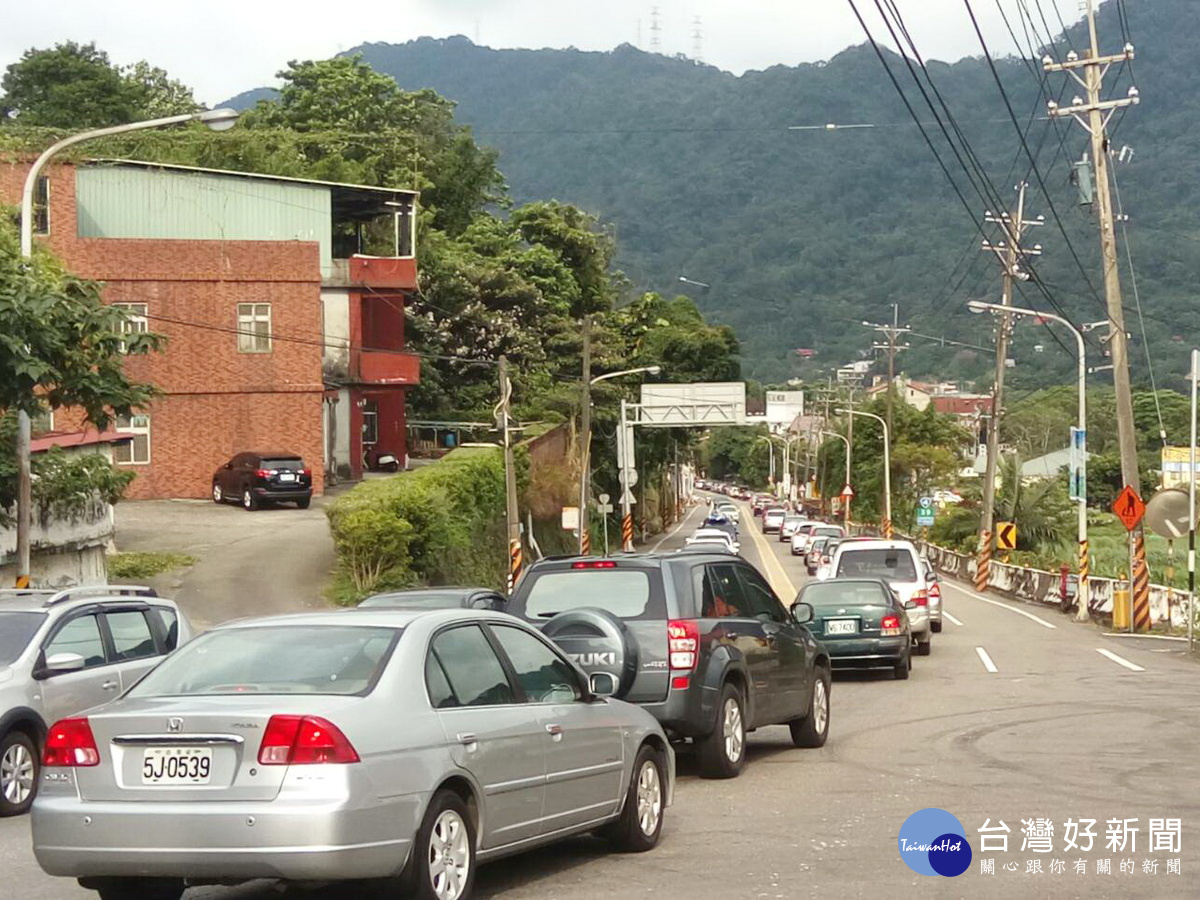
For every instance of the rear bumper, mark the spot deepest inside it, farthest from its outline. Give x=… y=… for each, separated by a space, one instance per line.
x=283 y=494
x=865 y=652
x=294 y=841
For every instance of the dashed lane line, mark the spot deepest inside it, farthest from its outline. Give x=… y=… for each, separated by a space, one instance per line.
x=1119 y=660
x=951 y=618
x=1007 y=606
x=986 y=660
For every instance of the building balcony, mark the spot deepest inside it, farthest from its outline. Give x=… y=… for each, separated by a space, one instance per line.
x=388 y=273
x=386 y=368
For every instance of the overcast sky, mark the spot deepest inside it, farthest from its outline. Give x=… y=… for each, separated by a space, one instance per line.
x=222 y=47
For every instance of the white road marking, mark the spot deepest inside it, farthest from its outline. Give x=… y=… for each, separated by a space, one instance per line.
x=986 y=660
x=777 y=575
x=674 y=531
x=1120 y=661
x=951 y=618
x=1007 y=606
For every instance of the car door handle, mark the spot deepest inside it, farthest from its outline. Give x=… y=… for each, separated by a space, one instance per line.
x=555 y=731
x=466 y=738
x=110 y=685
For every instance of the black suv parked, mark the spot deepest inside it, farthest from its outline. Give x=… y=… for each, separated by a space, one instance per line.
x=698 y=639
x=256 y=479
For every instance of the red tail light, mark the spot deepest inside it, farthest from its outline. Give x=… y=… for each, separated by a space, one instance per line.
x=935 y=591
x=71 y=743
x=304 y=741
x=305 y=472
x=921 y=598
x=683 y=644
x=889 y=625
x=598 y=564
x=263 y=473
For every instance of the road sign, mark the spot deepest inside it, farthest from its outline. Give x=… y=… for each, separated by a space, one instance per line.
x=848 y=492
x=1006 y=535
x=1167 y=513
x=570 y=518
x=1077 y=465
x=925 y=512
x=925 y=503
x=628 y=477
x=627 y=496
x=1129 y=508
x=604 y=498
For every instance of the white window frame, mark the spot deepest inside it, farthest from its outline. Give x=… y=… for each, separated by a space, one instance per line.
x=138 y=424
x=41 y=206
x=249 y=339
x=43 y=422
x=137 y=323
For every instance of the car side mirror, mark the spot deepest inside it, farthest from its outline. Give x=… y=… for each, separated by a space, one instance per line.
x=602 y=685
x=228 y=465
x=802 y=613
x=930 y=577
x=64 y=662
x=911 y=604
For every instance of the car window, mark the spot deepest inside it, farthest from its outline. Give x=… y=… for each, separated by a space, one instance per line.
x=472 y=667
x=170 y=623
x=16 y=631
x=831 y=593
x=722 y=595
x=283 y=462
x=893 y=564
x=761 y=598
x=624 y=592
x=274 y=659
x=131 y=635
x=440 y=693
x=80 y=635
x=543 y=676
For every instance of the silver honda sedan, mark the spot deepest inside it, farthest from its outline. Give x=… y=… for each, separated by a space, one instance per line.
x=362 y=744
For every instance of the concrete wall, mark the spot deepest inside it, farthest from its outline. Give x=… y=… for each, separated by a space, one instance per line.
x=64 y=553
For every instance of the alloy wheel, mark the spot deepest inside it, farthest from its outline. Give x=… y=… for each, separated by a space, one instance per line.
x=649 y=798
x=449 y=856
x=16 y=774
x=820 y=709
x=217 y=495
x=733 y=730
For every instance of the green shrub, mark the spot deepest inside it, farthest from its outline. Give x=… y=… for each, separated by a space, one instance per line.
x=440 y=524
x=141 y=565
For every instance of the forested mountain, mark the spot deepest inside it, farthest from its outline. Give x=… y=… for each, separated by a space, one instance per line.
x=802 y=234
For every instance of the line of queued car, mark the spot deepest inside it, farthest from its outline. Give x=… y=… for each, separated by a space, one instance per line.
x=400 y=743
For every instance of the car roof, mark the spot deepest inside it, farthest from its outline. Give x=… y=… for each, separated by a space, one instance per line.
x=878 y=544
x=379 y=617
x=276 y=454
x=47 y=599
x=427 y=591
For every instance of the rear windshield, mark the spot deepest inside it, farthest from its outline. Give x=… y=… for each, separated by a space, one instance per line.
x=422 y=600
x=16 y=630
x=623 y=592
x=291 y=462
x=889 y=564
x=830 y=593
x=828 y=531
x=285 y=659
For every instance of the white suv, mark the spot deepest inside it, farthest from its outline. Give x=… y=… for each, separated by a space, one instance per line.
x=66 y=651
x=900 y=565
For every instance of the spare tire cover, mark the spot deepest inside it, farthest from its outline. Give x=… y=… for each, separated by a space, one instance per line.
x=597 y=641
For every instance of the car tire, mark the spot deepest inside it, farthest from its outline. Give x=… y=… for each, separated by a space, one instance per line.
x=813 y=729
x=903 y=668
x=925 y=647
x=447 y=825
x=304 y=503
x=249 y=501
x=640 y=824
x=140 y=888
x=19 y=765
x=217 y=494
x=935 y=627
x=723 y=753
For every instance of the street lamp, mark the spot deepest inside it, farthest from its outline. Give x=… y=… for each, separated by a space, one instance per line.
x=845 y=500
x=216 y=119
x=887 y=465
x=586 y=429
x=979 y=306
x=696 y=283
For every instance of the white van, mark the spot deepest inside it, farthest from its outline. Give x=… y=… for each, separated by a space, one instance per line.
x=900 y=565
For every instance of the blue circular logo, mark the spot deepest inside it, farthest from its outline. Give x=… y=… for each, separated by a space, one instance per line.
x=933 y=842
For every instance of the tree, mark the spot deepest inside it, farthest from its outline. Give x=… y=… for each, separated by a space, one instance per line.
x=60 y=346
x=69 y=86
x=158 y=94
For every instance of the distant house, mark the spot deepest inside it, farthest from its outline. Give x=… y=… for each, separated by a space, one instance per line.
x=914 y=393
x=1048 y=466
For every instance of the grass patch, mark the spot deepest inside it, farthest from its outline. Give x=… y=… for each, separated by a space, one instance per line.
x=146 y=564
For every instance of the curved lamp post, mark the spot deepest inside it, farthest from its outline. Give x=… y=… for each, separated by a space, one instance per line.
x=887 y=465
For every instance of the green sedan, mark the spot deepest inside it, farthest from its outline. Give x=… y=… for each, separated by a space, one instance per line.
x=861 y=622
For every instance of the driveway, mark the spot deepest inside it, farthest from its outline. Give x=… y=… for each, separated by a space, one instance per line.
x=248 y=563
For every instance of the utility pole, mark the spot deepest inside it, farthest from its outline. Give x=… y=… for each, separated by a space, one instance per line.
x=1010 y=253
x=1094 y=115
x=891 y=333
x=585 y=437
x=510 y=478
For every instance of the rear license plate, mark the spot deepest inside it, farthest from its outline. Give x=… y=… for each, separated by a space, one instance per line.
x=841 y=626
x=176 y=765
x=287 y=476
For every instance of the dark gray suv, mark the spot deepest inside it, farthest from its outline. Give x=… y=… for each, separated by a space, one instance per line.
x=697 y=638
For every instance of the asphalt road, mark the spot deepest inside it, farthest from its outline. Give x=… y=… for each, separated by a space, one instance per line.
x=1058 y=730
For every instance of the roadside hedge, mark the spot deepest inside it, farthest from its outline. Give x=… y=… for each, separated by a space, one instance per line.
x=439 y=524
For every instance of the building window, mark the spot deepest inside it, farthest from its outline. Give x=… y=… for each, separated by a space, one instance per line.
x=370 y=422
x=41 y=205
x=43 y=422
x=137 y=451
x=254 y=327
x=136 y=321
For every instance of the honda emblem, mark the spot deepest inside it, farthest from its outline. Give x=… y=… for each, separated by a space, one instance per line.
x=174 y=725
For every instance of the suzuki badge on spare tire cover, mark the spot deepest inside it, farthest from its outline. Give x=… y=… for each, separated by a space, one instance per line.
x=597 y=641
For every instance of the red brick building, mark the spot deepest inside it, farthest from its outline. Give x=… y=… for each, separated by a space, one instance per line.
x=280 y=334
